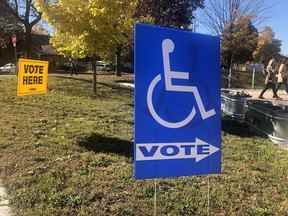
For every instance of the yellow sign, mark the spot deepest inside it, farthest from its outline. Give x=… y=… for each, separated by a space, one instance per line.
x=32 y=77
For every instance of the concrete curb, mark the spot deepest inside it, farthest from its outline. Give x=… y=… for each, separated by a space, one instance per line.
x=127 y=85
x=4 y=202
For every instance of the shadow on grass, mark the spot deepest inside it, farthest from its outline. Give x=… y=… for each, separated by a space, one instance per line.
x=116 y=86
x=239 y=129
x=101 y=144
x=120 y=90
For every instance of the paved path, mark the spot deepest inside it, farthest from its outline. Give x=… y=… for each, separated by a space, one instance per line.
x=4 y=202
x=268 y=96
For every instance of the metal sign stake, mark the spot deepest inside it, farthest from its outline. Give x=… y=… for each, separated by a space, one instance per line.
x=208 y=196
x=155 y=197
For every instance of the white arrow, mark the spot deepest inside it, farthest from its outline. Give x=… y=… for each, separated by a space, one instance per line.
x=197 y=150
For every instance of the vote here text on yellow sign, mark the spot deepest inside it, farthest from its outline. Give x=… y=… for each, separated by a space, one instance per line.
x=32 y=77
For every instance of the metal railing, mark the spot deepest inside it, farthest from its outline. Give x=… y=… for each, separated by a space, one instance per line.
x=242 y=79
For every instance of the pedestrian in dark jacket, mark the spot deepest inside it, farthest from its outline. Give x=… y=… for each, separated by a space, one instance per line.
x=73 y=67
x=270 y=79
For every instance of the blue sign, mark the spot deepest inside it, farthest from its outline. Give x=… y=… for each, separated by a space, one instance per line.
x=177 y=103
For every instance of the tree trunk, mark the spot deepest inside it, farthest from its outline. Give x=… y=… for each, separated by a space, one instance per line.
x=117 y=63
x=28 y=41
x=230 y=71
x=94 y=68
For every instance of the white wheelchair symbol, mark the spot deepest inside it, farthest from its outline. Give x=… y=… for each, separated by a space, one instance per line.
x=167 y=48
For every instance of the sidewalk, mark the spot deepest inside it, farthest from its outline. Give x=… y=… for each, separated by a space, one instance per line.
x=253 y=92
x=269 y=96
x=4 y=203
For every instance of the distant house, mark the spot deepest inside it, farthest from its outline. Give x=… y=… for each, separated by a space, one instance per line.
x=8 y=26
x=41 y=49
x=48 y=53
x=38 y=41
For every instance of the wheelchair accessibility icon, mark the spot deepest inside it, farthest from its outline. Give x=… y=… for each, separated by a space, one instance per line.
x=168 y=47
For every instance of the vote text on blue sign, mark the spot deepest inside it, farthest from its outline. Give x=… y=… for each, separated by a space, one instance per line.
x=177 y=103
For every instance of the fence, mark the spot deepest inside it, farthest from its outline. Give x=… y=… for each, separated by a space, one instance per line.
x=242 y=79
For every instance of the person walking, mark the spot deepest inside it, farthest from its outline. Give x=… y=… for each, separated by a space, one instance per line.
x=73 y=67
x=270 y=79
x=282 y=76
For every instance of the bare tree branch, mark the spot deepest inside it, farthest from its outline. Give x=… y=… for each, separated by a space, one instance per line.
x=16 y=7
x=26 y=12
x=13 y=11
x=219 y=13
x=36 y=20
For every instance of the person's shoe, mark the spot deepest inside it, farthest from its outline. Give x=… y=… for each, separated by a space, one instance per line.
x=261 y=97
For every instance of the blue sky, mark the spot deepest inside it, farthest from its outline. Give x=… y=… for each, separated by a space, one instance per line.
x=277 y=19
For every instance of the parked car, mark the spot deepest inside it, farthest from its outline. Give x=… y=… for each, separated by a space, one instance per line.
x=103 y=66
x=10 y=68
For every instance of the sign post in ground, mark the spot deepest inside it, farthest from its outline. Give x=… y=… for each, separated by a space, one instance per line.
x=177 y=103
x=32 y=77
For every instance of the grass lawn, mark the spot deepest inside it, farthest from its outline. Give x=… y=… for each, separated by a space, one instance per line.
x=69 y=153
